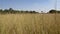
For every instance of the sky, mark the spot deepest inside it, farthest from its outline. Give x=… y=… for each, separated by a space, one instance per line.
x=37 y=5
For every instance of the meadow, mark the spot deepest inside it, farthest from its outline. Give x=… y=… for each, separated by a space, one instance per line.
x=29 y=23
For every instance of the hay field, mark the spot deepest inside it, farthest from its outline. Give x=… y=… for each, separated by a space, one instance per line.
x=30 y=24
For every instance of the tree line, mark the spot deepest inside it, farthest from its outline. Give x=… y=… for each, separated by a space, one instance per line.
x=11 y=11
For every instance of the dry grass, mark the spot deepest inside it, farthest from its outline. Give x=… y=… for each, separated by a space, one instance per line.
x=30 y=24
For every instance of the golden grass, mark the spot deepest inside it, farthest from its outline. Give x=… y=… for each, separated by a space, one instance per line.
x=30 y=24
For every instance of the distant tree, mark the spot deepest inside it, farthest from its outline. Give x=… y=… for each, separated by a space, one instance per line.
x=41 y=11
x=34 y=11
x=22 y=11
x=11 y=10
x=52 y=11
x=26 y=11
x=58 y=11
x=5 y=11
x=1 y=10
x=31 y=11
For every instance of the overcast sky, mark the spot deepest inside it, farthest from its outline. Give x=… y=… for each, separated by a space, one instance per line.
x=38 y=5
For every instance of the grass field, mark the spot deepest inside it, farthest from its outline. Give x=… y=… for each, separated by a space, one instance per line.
x=29 y=24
